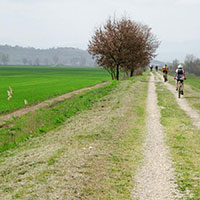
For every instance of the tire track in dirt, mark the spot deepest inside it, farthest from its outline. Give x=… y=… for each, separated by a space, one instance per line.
x=48 y=102
x=154 y=181
x=184 y=105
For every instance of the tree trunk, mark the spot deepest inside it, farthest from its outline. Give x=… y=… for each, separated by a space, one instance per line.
x=131 y=74
x=117 y=72
x=113 y=77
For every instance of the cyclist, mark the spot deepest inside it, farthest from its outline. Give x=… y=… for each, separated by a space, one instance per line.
x=151 y=68
x=180 y=76
x=165 y=71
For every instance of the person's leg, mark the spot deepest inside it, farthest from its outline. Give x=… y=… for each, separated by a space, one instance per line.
x=182 y=85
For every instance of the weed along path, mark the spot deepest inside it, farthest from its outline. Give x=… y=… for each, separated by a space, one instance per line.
x=27 y=109
x=92 y=156
x=154 y=180
x=184 y=105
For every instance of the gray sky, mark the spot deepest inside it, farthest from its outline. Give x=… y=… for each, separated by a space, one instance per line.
x=53 y=23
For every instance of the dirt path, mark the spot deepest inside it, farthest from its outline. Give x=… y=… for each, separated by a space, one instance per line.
x=27 y=109
x=184 y=105
x=155 y=178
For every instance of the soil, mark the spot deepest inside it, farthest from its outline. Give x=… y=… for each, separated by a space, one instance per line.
x=48 y=102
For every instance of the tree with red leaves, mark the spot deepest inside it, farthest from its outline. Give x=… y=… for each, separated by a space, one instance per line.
x=123 y=45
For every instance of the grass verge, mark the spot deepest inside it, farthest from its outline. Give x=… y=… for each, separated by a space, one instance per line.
x=183 y=139
x=43 y=120
x=110 y=173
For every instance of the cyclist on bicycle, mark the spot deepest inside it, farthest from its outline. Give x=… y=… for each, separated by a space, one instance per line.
x=156 y=67
x=165 y=71
x=180 y=76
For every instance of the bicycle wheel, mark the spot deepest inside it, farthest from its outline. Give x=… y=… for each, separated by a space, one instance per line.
x=179 y=91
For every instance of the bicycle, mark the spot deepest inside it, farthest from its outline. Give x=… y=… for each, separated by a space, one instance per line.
x=180 y=88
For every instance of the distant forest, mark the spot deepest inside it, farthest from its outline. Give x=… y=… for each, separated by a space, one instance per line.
x=61 y=56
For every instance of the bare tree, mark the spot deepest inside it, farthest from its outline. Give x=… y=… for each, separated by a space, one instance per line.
x=5 y=59
x=175 y=64
x=75 y=61
x=192 y=64
x=25 y=61
x=37 y=62
x=30 y=62
x=55 y=60
x=46 y=61
x=82 y=61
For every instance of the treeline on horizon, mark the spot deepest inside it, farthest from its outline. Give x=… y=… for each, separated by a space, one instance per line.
x=61 y=56
x=191 y=64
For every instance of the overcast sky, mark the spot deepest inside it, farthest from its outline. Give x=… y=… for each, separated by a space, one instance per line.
x=53 y=23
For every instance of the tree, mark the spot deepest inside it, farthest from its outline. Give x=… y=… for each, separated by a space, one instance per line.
x=122 y=45
x=30 y=62
x=5 y=59
x=82 y=61
x=46 y=61
x=192 y=64
x=75 y=61
x=37 y=62
x=25 y=61
x=55 y=60
x=175 y=63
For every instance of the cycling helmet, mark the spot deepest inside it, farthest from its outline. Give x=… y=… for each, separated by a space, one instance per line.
x=180 y=66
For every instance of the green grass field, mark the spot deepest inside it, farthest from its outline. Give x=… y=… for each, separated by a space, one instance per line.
x=194 y=82
x=36 y=84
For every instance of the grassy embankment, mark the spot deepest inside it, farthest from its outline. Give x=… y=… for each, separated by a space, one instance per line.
x=183 y=139
x=117 y=140
x=48 y=118
x=110 y=174
x=36 y=84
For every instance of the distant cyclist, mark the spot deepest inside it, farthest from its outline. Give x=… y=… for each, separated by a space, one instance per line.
x=151 y=68
x=180 y=76
x=165 y=71
x=156 y=67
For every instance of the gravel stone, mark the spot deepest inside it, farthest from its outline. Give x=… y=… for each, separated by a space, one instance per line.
x=155 y=178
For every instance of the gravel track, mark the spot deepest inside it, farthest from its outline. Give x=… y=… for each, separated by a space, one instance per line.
x=184 y=105
x=154 y=180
